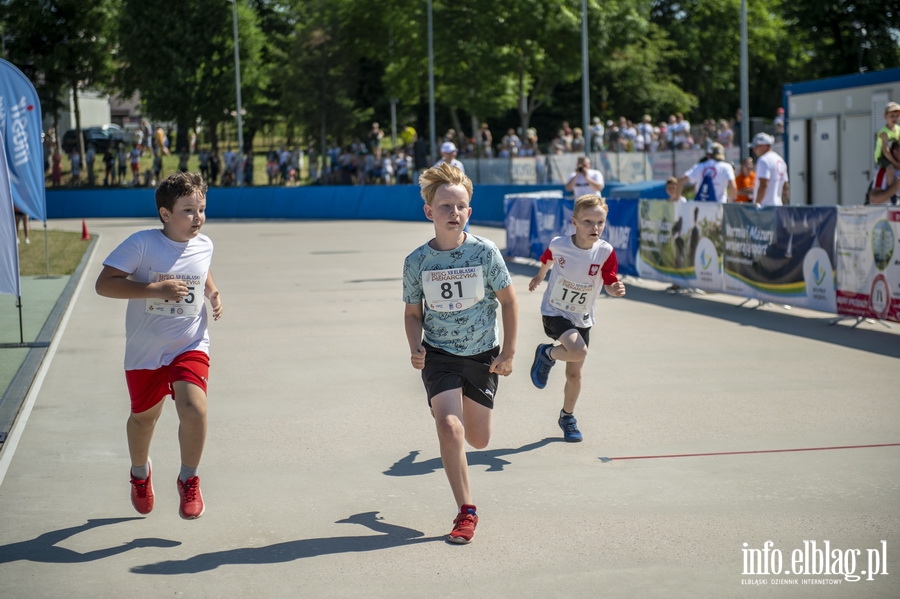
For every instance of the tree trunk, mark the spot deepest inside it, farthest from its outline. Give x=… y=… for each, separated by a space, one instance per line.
x=79 y=134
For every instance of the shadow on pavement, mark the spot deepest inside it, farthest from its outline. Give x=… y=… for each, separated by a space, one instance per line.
x=392 y=536
x=43 y=548
x=409 y=467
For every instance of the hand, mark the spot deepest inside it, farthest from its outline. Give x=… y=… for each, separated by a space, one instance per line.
x=171 y=290
x=502 y=365
x=617 y=289
x=216 y=302
x=418 y=358
x=535 y=283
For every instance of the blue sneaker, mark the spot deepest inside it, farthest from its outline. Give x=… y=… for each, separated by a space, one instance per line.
x=569 y=426
x=540 y=369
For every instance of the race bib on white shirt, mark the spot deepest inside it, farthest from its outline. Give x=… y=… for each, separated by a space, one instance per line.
x=453 y=289
x=571 y=296
x=188 y=306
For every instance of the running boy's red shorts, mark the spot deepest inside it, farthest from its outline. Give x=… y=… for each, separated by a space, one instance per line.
x=149 y=387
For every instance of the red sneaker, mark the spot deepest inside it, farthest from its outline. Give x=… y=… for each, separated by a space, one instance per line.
x=142 y=494
x=191 y=500
x=464 y=526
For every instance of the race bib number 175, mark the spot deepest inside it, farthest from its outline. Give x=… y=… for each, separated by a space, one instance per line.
x=571 y=296
x=453 y=289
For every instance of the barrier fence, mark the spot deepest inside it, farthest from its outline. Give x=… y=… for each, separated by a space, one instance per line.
x=622 y=167
x=841 y=260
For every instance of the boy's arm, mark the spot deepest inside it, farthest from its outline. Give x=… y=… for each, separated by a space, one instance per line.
x=540 y=276
x=115 y=283
x=509 y=307
x=212 y=292
x=610 y=274
x=412 y=322
x=617 y=289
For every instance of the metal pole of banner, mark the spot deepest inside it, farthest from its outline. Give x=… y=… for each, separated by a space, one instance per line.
x=47 y=248
x=745 y=86
x=21 y=328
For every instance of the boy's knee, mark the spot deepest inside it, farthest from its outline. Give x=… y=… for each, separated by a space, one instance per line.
x=478 y=441
x=449 y=427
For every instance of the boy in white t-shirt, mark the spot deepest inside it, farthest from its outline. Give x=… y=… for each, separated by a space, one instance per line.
x=162 y=273
x=452 y=287
x=584 y=263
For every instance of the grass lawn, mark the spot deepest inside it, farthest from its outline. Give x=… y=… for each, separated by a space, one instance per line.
x=65 y=249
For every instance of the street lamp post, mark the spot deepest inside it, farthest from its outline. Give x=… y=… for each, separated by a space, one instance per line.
x=237 y=88
x=585 y=81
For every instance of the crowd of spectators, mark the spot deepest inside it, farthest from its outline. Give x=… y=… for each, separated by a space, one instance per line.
x=371 y=159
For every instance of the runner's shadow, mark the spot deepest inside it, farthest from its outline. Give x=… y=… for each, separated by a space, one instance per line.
x=43 y=548
x=392 y=536
x=409 y=467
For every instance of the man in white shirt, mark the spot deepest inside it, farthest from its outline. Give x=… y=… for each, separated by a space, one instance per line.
x=585 y=180
x=771 y=187
x=712 y=177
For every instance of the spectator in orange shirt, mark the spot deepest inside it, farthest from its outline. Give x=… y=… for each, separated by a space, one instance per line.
x=745 y=181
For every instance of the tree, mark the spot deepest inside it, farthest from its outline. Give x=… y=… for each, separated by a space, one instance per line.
x=61 y=44
x=843 y=36
x=180 y=56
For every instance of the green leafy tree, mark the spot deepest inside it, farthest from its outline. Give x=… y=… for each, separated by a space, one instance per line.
x=61 y=44
x=180 y=56
x=317 y=87
x=843 y=36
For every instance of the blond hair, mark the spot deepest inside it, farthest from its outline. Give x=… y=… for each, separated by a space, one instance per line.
x=443 y=174
x=589 y=200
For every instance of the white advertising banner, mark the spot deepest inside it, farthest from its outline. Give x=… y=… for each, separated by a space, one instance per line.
x=868 y=262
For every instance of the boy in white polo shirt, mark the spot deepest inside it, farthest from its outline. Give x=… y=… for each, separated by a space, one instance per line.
x=165 y=274
x=581 y=265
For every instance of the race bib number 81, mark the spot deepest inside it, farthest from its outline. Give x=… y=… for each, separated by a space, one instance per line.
x=571 y=296
x=453 y=289
x=189 y=306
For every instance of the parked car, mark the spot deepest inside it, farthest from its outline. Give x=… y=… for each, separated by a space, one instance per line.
x=102 y=138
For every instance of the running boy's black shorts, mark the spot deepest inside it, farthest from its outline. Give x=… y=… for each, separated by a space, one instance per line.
x=556 y=326
x=445 y=371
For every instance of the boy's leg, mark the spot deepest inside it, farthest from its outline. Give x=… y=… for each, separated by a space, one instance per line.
x=572 y=388
x=477 y=422
x=573 y=351
x=449 y=419
x=190 y=402
x=139 y=429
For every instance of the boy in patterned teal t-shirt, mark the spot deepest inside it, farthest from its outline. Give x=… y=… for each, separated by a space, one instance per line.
x=452 y=286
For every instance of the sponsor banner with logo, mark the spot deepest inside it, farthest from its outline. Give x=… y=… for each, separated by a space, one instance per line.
x=680 y=243
x=20 y=121
x=868 y=262
x=622 y=233
x=782 y=255
x=533 y=219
